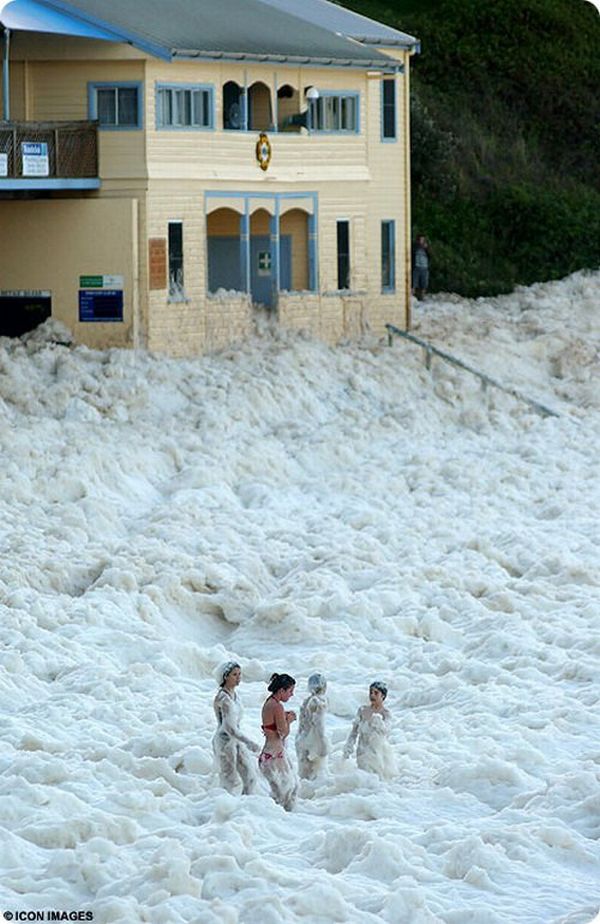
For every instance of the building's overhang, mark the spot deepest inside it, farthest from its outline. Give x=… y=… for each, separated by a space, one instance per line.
x=301 y=39
x=57 y=19
x=387 y=66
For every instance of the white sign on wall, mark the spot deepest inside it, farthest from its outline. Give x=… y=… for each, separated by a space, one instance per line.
x=3 y=164
x=35 y=158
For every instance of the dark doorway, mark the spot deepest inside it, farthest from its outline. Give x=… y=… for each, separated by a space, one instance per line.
x=21 y=313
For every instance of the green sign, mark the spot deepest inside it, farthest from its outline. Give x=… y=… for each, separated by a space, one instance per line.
x=91 y=282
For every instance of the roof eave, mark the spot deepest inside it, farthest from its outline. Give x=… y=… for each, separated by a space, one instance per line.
x=306 y=60
x=408 y=43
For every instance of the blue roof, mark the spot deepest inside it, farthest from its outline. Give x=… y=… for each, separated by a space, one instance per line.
x=30 y=16
x=291 y=31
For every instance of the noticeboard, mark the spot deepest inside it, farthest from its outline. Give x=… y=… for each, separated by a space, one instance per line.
x=105 y=305
x=35 y=159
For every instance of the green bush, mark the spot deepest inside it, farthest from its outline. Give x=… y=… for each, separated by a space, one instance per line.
x=505 y=137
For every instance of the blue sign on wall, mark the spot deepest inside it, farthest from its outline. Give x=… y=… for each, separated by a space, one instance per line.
x=101 y=305
x=35 y=148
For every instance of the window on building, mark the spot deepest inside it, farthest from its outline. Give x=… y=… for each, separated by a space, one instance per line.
x=343 y=254
x=388 y=265
x=388 y=109
x=234 y=107
x=334 y=112
x=184 y=107
x=116 y=105
x=176 y=290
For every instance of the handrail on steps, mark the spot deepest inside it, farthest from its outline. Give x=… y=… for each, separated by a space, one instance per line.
x=485 y=379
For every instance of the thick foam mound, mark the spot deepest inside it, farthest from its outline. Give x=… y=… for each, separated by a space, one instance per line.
x=302 y=508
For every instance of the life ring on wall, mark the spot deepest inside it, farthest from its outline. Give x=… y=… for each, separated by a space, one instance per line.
x=263 y=151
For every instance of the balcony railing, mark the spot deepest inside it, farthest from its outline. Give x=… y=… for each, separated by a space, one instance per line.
x=59 y=150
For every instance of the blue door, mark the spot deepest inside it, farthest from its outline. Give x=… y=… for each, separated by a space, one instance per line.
x=225 y=272
x=262 y=276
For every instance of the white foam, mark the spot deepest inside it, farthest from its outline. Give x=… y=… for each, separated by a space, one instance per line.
x=300 y=508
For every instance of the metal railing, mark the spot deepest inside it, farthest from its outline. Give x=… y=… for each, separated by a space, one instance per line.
x=71 y=148
x=486 y=380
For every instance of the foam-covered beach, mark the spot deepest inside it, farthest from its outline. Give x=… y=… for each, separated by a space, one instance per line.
x=298 y=507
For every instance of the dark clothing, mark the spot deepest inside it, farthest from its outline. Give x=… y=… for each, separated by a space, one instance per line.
x=420 y=266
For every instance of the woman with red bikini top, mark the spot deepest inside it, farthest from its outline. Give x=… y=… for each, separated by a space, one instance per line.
x=273 y=761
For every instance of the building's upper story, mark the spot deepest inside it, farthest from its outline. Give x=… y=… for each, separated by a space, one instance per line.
x=173 y=88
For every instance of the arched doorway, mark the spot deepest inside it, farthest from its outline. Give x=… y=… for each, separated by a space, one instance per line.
x=270 y=258
x=260 y=112
x=233 y=106
x=224 y=251
x=289 y=116
x=261 y=243
x=294 y=225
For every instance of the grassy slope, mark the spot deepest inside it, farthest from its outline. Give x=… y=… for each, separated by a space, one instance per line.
x=506 y=136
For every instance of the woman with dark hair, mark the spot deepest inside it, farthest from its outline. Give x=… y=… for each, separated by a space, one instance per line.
x=229 y=744
x=273 y=762
x=372 y=727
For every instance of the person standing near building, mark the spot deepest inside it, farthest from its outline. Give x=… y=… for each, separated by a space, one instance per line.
x=421 y=258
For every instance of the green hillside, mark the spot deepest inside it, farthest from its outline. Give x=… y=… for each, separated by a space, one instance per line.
x=505 y=137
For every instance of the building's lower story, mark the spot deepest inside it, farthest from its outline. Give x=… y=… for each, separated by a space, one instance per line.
x=191 y=272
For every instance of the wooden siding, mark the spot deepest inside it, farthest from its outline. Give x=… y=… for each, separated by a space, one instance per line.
x=355 y=176
x=59 y=91
x=230 y=155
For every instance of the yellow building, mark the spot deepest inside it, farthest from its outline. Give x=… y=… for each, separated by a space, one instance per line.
x=169 y=170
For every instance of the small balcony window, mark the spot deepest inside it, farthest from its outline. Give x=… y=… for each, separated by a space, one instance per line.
x=184 y=107
x=334 y=112
x=116 y=106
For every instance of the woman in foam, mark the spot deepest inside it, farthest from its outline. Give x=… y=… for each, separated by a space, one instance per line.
x=231 y=747
x=273 y=762
x=311 y=743
x=372 y=727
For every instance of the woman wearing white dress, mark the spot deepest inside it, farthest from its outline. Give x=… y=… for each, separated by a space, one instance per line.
x=371 y=727
x=230 y=746
x=311 y=743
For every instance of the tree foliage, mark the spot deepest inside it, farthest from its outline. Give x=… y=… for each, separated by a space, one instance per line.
x=505 y=115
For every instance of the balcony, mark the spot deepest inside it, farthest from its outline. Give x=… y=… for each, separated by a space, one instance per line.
x=48 y=156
